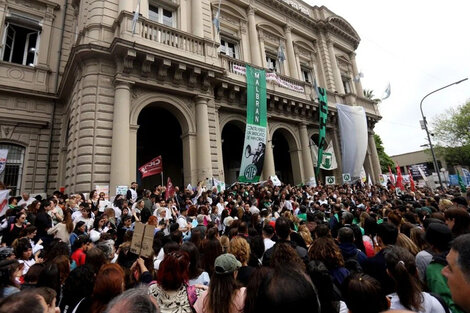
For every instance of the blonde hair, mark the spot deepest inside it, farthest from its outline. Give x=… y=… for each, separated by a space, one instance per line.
x=305 y=233
x=224 y=242
x=240 y=248
x=406 y=243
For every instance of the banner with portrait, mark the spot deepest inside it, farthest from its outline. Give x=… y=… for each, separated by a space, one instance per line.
x=256 y=121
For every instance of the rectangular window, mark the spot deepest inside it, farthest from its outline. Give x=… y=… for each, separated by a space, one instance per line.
x=20 y=44
x=306 y=74
x=165 y=16
x=229 y=47
x=271 y=62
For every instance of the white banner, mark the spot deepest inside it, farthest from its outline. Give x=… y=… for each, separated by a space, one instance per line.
x=4 y=201
x=354 y=138
x=241 y=70
x=3 y=159
x=275 y=180
x=329 y=157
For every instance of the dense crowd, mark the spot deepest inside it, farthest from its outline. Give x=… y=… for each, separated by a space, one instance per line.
x=250 y=248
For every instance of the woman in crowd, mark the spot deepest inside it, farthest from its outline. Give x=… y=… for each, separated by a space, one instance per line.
x=225 y=294
x=86 y=217
x=79 y=229
x=99 y=226
x=79 y=249
x=10 y=272
x=14 y=230
x=196 y=274
x=409 y=295
x=458 y=221
x=363 y=294
x=62 y=230
x=171 y=290
x=24 y=254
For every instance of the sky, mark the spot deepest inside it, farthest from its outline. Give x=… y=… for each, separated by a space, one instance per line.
x=418 y=46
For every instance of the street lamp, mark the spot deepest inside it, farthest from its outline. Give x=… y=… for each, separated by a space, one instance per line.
x=436 y=168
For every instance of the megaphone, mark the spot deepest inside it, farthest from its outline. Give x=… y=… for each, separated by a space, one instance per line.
x=248 y=152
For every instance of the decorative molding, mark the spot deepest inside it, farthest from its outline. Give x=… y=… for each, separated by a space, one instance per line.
x=147 y=64
x=7 y=131
x=129 y=60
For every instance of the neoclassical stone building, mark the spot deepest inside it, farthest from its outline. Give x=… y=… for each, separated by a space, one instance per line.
x=87 y=96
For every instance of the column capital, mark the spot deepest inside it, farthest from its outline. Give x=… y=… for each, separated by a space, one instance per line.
x=251 y=10
x=287 y=29
x=201 y=99
x=120 y=83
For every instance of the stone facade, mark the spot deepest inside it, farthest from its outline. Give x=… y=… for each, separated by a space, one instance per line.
x=75 y=106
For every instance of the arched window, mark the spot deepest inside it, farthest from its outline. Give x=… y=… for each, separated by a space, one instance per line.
x=12 y=174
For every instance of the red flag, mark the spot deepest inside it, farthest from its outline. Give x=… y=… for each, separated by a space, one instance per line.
x=392 y=177
x=170 y=189
x=151 y=168
x=412 y=182
x=399 y=179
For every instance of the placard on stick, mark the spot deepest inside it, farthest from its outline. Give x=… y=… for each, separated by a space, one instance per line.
x=142 y=240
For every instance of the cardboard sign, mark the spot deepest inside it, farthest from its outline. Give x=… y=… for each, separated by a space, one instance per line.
x=346 y=178
x=121 y=190
x=142 y=240
x=103 y=188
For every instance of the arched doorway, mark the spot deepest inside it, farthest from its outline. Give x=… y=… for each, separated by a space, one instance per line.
x=159 y=133
x=282 y=158
x=232 y=148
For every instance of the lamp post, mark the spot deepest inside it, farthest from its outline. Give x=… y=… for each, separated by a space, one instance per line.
x=436 y=168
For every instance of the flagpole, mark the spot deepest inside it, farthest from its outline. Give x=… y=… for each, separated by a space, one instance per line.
x=162 y=178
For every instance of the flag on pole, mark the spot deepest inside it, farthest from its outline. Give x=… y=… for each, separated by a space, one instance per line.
x=463 y=188
x=392 y=177
x=170 y=189
x=136 y=17
x=387 y=92
x=412 y=182
x=358 y=76
x=153 y=167
x=399 y=179
x=216 y=20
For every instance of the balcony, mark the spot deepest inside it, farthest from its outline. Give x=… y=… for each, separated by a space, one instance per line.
x=168 y=39
x=274 y=83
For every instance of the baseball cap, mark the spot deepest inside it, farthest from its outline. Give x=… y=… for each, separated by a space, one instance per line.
x=226 y=263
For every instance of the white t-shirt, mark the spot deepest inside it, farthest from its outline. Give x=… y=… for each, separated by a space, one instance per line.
x=268 y=243
x=429 y=304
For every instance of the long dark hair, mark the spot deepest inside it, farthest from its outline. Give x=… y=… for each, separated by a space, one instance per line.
x=220 y=293
x=194 y=259
x=401 y=267
x=77 y=227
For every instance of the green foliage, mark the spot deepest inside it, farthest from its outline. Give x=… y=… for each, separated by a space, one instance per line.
x=369 y=94
x=453 y=128
x=452 y=133
x=385 y=160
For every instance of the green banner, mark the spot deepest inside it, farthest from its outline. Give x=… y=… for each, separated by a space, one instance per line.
x=256 y=121
x=321 y=92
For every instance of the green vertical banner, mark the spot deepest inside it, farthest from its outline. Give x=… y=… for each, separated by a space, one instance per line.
x=256 y=120
x=321 y=92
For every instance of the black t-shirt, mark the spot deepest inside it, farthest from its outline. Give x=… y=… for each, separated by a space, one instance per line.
x=244 y=274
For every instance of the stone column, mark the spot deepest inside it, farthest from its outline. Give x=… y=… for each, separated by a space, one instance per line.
x=374 y=157
x=290 y=53
x=245 y=42
x=204 y=164
x=120 y=157
x=357 y=83
x=268 y=167
x=336 y=73
x=196 y=18
x=133 y=152
x=127 y=5
x=262 y=50
x=306 y=154
x=254 y=44
x=43 y=53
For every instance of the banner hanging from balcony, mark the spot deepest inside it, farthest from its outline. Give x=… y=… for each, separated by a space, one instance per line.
x=256 y=120
x=3 y=159
x=273 y=77
x=354 y=138
x=323 y=115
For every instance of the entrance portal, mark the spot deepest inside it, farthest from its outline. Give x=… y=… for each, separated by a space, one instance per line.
x=159 y=133
x=282 y=159
x=232 y=147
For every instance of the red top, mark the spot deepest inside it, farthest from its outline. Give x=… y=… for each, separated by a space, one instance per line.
x=79 y=256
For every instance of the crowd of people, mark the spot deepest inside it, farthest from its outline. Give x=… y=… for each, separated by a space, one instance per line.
x=250 y=248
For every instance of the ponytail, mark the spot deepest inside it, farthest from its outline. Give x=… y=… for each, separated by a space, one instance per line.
x=402 y=268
